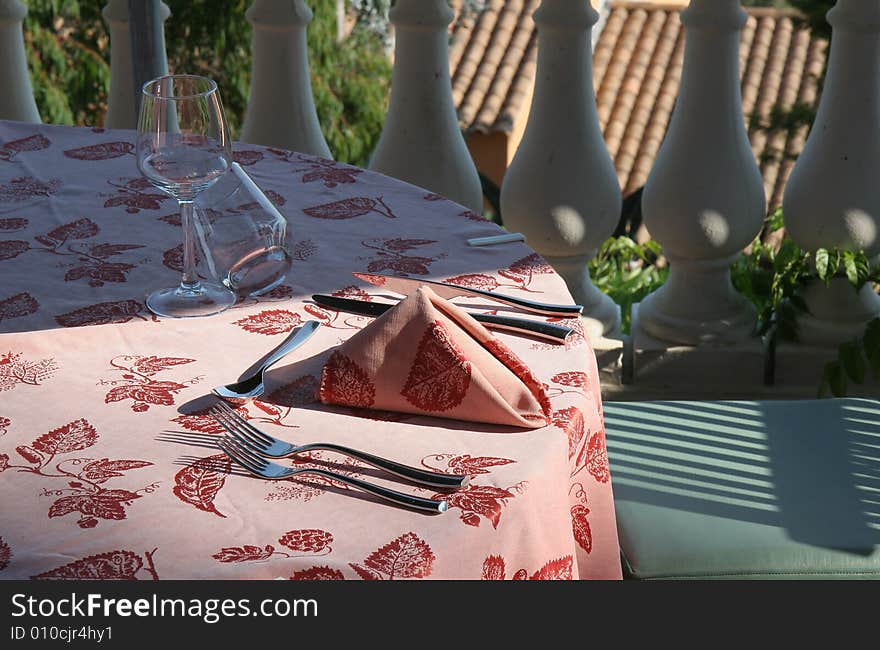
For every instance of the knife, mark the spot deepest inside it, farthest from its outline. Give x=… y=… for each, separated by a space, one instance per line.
x=550 y=331
x=408 y=285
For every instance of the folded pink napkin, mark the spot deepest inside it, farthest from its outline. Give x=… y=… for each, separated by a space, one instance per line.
x=429 y=357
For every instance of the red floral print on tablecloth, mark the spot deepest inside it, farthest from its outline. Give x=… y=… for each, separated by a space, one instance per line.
x=335 y=319
x=576 y=339
x=173 y=258
x=131 y=193
x=13 y=224
x=318 y=573
x=523 y=271
x=12 y=248
x=463 y=463
x=577 y=380
x=586 y=447
x=408 y=556
x=307 y=541
x=103 y=313
x=304 y=249
x=36 y=142
x=21 y=304
x=350 y=208
x=477 y=501
x=113 y=565
x=4 y=427
x=595 y=457
x=560 y=569
x=89 y=260
x=25 y=188
x=246 y=158
x=298 y=392
x=85 y=492
x=270 y=321
x=311 y=486
x=470 y=215
x=328 y=172
x=5 y=554
x=199 y=483
x=15 y=370
x=571 y=421
x=440 y=374
x=137 y=381
x=101 y=151
x=580 y=527
x=391 y=257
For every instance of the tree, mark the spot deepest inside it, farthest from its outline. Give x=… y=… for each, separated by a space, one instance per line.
x=69 y=49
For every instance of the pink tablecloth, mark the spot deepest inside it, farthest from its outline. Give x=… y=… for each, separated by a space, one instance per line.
x=106 y=472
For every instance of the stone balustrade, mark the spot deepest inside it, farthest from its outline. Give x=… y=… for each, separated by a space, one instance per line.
x=281 y=109
x=122 y=110
x=831 y=199
x=561 y=189
x=704 y=199
x=421 y=142
x=17 y=99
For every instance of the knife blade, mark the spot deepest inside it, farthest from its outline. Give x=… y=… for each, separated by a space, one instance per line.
x=550 y=331
x=406 y=286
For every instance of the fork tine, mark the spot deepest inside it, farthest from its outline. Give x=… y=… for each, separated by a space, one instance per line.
x=235 y=415
x=239 y=432
x=223 y=443
x=235 y=453
x=250 y=454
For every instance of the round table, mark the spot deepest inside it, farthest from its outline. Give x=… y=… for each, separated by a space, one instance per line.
x=108 y=463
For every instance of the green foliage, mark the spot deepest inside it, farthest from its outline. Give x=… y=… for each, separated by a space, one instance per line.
x=854 y=359
x=771 y=278
x=351 y=82
x=212 y=39
x=66 y=45
x=815 y=11
x=627 y=272
x=69 y=51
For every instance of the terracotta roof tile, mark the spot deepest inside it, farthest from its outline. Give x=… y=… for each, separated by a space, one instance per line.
x=637 y=72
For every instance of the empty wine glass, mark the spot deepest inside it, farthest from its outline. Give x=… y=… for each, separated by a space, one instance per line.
x=183 y=147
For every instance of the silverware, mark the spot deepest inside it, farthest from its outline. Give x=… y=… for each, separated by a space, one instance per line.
x=250 y=384
x=491 y=240
x=555 y=333
x=259 y=466
x=445 y=290
x=270 y=447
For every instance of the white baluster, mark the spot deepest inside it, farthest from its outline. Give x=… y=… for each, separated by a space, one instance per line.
x=281 y=109
x=704 y=199
x=561 y=189
x=832 y=196
x=421 y=141
x=17 y=98
x=122 y=110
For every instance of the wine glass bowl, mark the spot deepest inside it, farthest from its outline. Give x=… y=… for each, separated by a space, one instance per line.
x=183 y=148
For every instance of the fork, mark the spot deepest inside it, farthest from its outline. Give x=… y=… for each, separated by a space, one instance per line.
x=269 y=447
x=263 y=468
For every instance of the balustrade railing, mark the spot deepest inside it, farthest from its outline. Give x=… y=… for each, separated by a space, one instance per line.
x=17 y=99
x=704 y=200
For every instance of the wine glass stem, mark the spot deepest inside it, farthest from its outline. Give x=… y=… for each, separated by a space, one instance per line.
x=190 y=280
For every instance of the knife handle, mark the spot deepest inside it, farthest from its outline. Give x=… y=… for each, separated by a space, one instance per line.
x=555 y=333
x=543 y=308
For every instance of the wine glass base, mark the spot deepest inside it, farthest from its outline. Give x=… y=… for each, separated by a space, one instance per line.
x=204 y=299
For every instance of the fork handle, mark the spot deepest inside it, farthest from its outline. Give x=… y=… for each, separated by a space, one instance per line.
x=434 y=479
x=408 y=500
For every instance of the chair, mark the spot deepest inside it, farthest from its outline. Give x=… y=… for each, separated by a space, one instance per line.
x=747 y=489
